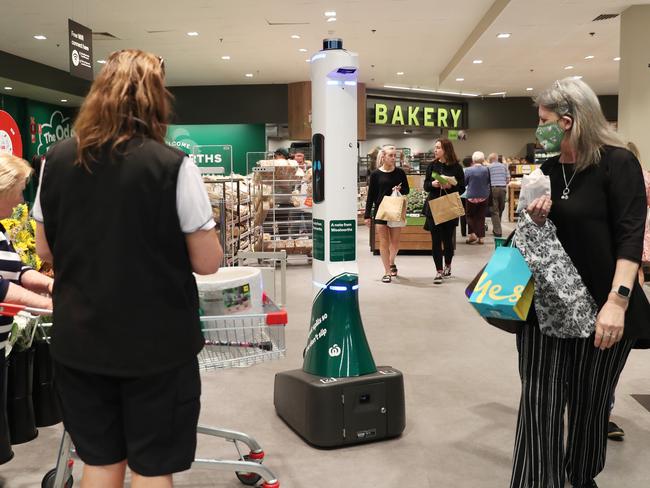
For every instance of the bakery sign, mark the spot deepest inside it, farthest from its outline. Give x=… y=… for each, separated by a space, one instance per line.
x=415 y=113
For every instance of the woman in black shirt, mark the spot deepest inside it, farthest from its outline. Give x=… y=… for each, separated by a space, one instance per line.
x=598 y=205
x=382 y=182
x=442 y=235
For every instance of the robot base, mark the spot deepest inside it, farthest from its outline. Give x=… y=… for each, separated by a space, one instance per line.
x=334 y=412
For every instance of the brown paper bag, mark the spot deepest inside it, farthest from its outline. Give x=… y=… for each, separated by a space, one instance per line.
x=446 y=208
x=392 y=209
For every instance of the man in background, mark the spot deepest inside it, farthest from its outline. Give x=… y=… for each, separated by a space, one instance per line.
x=499 y=179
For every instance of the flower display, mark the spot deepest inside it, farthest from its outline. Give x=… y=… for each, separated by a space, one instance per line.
x=21 y=231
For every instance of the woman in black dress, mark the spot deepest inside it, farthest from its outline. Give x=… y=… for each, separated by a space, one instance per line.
x=442 y=235
x=598 y=205
x=382 y=182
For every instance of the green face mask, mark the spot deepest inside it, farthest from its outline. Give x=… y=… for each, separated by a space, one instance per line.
x=550 y=136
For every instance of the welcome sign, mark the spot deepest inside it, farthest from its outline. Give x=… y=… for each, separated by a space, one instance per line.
x=413 y=113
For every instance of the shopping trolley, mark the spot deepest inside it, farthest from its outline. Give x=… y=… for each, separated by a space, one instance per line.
x=230 y=341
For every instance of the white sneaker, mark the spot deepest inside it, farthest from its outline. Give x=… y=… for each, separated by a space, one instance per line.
x=438 y=279
x=446 y=273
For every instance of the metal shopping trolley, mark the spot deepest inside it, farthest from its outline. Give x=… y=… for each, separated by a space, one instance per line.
x=230 y=341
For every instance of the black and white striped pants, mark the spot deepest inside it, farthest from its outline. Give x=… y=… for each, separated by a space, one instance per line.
x=556 y=373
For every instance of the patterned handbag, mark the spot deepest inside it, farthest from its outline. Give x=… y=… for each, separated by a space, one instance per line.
x=564 y=306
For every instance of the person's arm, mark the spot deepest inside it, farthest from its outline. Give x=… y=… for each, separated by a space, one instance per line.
x=404 y=190
x=460 y=180
x=20 y=296
x=42 y=246
x=371 y=197
x=205 y=251
x=36 y=282
x=429 y=182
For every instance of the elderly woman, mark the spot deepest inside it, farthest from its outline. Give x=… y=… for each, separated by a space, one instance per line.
x=477 y=181
x=598 y=205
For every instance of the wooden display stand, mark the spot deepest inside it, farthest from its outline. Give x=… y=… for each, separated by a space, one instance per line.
x=413 y=239
x=513 y=200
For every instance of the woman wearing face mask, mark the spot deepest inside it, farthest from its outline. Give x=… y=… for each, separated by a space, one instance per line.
x=382 y=182
x=598 y=205
x=442 y=235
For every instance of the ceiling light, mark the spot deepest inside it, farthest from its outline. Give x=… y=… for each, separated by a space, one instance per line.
x=307 y=60
x=497 y=93
x=8 y=88
x=295 y=36
x=400 y=73
x=460 y=79
x=478 y=61
x=248 y=75
x=577 y=77
x=101 y=61
x=529 y=89
x=40 y=37
x=617 y=58
x=568 y=67
x=330 y=14
x=332 y=19
x=302 y=50
x=192 y=34
x=504 y=35
x=589 y=57
x=64 y=100
x=225 y=58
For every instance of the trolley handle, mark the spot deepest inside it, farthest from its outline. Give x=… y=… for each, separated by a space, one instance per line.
x=13 y=309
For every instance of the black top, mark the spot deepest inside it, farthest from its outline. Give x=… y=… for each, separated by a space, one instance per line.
x=380 y=184
x=603 y=220
x=455 y=170
x=125 y=299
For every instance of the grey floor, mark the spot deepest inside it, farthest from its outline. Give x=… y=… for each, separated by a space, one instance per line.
x=461 y=386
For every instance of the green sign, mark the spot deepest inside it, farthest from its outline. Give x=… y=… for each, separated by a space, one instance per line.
x=213 y=159
x=318 y=227
x=343 y=240
x=47 y=124
x=336 y=345
x=417 y=114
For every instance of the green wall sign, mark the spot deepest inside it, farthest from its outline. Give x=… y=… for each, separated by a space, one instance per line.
x=417 y=114
x=318 y=228
x=343 y=240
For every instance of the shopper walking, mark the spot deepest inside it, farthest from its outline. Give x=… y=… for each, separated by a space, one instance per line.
x=126 y=219
x=477 y=180
x=499 y=179
x=442 y=235
x=382 y=182
x=598 y=205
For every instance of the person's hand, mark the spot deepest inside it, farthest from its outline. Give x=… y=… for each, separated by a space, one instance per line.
x=446 y=186
x=539 y=209
x=50 y=287
x=610 y=322
x=367 y=222
x=397 y=187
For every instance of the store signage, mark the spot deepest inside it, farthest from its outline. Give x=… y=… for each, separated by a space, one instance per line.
x=213 y=159
x=343 y=239
x=80 y=40
x=417 y=114
x=57 y=128
x=10 y=141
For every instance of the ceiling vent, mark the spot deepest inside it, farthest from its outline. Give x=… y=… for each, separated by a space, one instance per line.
x=104 y=36
x=605 y=17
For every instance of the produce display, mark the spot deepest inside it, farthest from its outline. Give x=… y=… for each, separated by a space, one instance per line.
x=415 y=202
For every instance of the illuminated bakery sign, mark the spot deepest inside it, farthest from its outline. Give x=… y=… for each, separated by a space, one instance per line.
x=416 y=113
x=10 y=141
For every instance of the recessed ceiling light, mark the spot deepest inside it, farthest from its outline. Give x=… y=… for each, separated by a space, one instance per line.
x=64 y=100
x=248 y=75
x=307 y=60
x=529 y=89
x=617 y=58
x=9 y=88
x=302 y=50
x=568 y=67
x=504 y=35
x=400 y=73
x=460 y=79
x=40 y=37
x=225 y=58
x=101 y=61
x=331 y=13
x=497 y=93
x=577 y=77
x=331 y=19
x=295 y=36
x=478 y=61
x=589 y=57
x=192 y=34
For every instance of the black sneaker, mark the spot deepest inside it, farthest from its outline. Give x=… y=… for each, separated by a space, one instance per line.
x=614 y=432
x=446 y=273
x=438 y=279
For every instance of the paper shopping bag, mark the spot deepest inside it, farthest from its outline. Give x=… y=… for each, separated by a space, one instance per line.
x=504 y=289
x=446 y=207
x=391 y=209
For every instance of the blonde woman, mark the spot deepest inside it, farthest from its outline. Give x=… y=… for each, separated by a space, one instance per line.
x=126 y=219
x=382 y=182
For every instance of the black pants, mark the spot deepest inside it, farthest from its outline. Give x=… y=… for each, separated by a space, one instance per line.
x=559 y=373
x=443 y=236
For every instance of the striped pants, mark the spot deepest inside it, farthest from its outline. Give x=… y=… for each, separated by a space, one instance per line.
x=556 y=373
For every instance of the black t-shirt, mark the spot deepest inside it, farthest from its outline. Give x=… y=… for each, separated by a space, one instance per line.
x=380 y=184
x=603 y=220
x=455 y=170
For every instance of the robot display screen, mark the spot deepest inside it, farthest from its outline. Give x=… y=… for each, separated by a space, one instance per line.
x=318 y=150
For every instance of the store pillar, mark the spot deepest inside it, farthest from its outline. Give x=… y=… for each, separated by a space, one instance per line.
x=634 y=79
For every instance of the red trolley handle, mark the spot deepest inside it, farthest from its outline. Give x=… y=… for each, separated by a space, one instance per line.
x=12 y=309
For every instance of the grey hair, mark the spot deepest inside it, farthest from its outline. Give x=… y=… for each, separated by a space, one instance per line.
x=382 y=153
x=590 y=130
x=478 y=157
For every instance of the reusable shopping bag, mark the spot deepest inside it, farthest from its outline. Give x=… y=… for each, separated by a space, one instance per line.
x=564 y=306
x=446 y=207
x=402 y=221
x=502 y=292
x=392 y=209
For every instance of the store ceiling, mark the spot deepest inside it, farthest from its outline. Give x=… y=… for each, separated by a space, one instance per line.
x=432 y=42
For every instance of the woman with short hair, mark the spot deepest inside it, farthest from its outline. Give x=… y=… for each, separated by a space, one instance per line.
x=598 y=205
x=477 y=181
